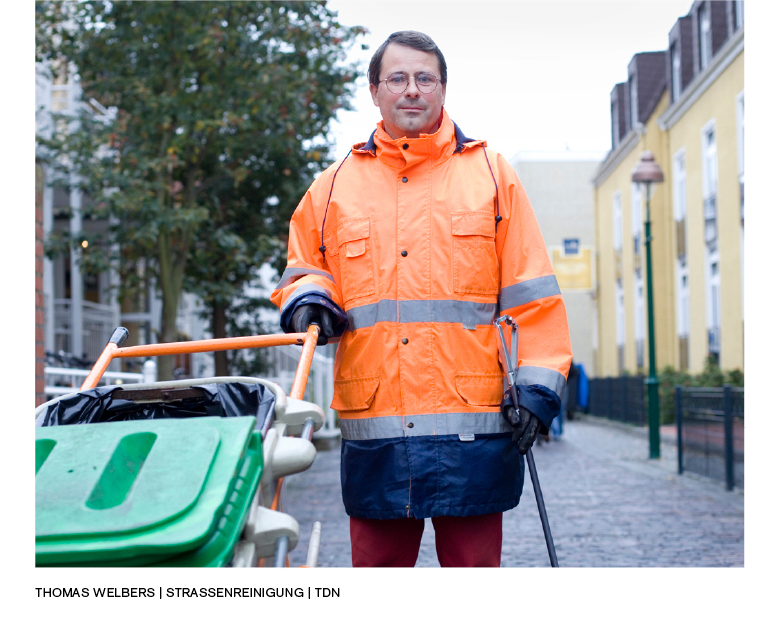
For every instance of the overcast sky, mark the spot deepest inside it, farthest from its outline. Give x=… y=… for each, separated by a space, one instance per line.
x=523 y=75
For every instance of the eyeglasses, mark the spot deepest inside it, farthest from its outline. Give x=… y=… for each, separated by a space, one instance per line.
x=397 y=83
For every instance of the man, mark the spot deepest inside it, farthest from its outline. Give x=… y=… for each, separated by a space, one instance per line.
x=406 y=251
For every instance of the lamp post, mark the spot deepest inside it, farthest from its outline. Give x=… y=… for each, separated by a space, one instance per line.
x=648 y=172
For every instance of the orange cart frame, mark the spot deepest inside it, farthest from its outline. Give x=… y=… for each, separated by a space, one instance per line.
x=114 y=350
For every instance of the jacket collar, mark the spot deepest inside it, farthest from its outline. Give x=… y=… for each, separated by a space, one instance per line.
x=445 y=142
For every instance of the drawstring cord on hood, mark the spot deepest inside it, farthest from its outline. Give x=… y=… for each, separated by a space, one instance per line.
x=498 y=216
x=327 y=205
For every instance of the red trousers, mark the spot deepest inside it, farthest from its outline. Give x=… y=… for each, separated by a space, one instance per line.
x=461 y=541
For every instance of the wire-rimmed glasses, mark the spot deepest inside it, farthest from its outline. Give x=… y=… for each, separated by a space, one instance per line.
x=397 y=83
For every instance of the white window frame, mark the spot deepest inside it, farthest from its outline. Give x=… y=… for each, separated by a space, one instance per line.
x=705 y=36
x=620 y=314
x=680 y=207
x=712 y=290
x=639 y=316
x=676 y=71
x=709 y=154
x=741 y=170
x=633 y=94
x=636 y=215
x=717 y=316
x=679 y=185
x=683 y=300
x=709 y=179
x=617 y=221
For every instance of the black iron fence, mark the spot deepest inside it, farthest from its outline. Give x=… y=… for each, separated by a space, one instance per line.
x=710 y=433
x=618 y=398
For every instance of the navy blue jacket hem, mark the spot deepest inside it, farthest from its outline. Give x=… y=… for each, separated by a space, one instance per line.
x=430 y=475
x=435 y=510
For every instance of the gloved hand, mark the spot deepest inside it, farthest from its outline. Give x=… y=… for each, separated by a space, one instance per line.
x=526 y=424
x=308 y=314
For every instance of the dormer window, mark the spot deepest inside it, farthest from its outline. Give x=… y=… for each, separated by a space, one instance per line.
x=615 y=126
x=618 y=104
x=676 y=71
x=705 y=36
x=680 y=57
x=633 y=95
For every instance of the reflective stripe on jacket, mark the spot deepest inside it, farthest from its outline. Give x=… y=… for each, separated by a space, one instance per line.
x=416 y=260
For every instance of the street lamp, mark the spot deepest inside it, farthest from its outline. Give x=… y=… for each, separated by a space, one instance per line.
x=648 y=172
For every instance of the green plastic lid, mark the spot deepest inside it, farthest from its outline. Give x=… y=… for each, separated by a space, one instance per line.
x=217 y=550
x=144 y=489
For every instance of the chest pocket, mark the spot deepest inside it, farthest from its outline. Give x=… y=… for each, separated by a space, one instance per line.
x=474 y=259
x=355 y=259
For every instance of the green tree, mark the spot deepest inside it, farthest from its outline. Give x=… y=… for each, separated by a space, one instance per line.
x=218 y=114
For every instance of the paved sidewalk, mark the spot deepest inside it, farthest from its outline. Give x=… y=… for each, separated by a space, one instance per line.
x=608 y=505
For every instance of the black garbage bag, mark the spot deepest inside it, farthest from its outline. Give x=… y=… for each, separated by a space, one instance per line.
x=104 y=404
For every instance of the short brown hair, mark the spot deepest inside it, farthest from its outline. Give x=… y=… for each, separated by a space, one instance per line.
x=410 y=38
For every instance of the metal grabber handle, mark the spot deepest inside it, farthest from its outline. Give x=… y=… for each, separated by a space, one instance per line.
x=507 y=357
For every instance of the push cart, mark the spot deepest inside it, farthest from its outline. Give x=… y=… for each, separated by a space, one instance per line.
x=174 y=473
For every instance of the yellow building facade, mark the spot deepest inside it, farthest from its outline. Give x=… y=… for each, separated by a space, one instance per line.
x=694 y=126
x=621 y=263
x=705 y=151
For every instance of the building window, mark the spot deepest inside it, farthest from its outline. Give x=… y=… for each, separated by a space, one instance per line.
x=741 y=153
x=705 y=42
x=676 y=71
x=713 y=316
x=620 y=324
x=680 y=186
x=710 y=162
x=639 y=318
x=680 y=208
x=617 y=222
x=680 y=201
x=683 y=312
x=633 y=102
x=636 y=215
x=741 y=172
x=710 y=185
x=711 y=255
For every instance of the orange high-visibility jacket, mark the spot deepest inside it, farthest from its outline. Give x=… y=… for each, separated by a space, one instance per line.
x=416 y=260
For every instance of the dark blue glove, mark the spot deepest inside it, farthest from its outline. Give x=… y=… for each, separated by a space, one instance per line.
x=309 y=314
x=525 y=424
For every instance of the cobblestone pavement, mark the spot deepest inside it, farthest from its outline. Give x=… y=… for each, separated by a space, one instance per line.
x=607 y=503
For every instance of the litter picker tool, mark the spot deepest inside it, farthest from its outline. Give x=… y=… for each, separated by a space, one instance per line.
x=507 y=357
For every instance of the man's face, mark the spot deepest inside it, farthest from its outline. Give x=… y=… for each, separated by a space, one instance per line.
x=412 y=113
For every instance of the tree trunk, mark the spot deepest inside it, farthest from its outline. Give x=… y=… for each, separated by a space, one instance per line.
x=219 y=328
x=168 y=334
x=170 y=287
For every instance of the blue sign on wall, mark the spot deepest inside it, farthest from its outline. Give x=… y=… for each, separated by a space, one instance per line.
x=571 y=246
